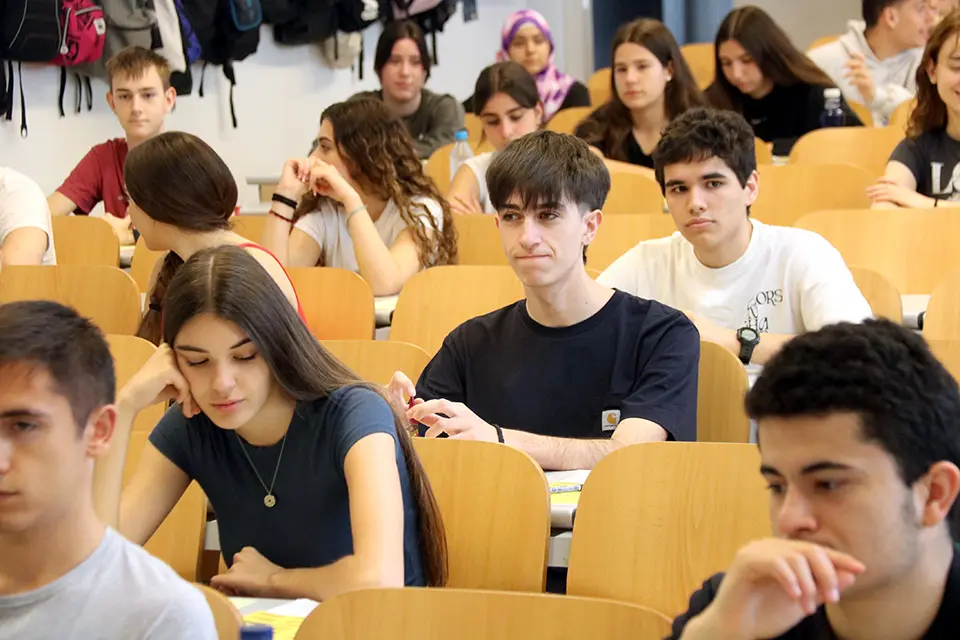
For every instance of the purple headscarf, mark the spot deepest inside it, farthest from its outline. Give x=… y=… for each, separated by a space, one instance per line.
x=552 y=85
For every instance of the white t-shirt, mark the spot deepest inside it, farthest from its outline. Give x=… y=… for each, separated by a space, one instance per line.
x=328 y=227
x=119 y=591
x=22 y=204
x=479 y=165
x=789 y=281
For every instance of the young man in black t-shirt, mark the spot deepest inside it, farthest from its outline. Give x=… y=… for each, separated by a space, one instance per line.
x=859 y=444
x=576 y=370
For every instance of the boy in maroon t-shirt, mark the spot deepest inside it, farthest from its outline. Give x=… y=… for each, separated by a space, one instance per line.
x=141 y=96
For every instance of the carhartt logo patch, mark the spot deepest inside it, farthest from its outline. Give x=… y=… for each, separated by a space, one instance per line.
x=610 y=419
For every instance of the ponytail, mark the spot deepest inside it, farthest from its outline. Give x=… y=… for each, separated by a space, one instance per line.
x=150 y=324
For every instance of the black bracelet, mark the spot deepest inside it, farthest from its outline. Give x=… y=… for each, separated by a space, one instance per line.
x=499 y=433
x=284 y=200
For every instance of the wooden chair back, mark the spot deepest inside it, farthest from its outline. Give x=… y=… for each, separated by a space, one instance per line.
x=85 y=240
x=632 y=190
x=599 y=87
x=474 y=126
x=723 y=384
x=441 y=614
x=436 y=300
x=819 y=42
x=250 y=226
x=701 y=59
x=900 y=117
x=338 y=303
x=495 y=505
x=866 y=147
x=618 y=234
x=914 y=249
x=106 y=295
x=789 y=192
x=862 y=112
x=948 y=353
x=692 y=505
x=143 y=263
x=881 y=295
x=438 y=167
x=942 y=318
x=478 y=240
x=764 y=151
x=566 y=120
x=226 y=617
x=376 y=360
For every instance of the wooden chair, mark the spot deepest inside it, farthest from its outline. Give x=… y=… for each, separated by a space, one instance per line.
x=85 y=240
x=440 y=614
x=495 y=504
x=474 y=126
x=948 y=353
x=914 y=249
x=867 y=147
x=723 y=383
x=764 y=151
x=620 y=233
x=701 y=58
x=632 y=190
x=691 y=505
x=881 y=295
x=437 y=300
x=143 y=263
x=789 y=192
x=900 y=117
x=478 y=240
x=250 y=226
x=862 y=112
x=338 y=303
x=942 y=319
x=438 y=167
x=106 y=295
x=226 y=617
x=376 y=360
x=566 y=121
x=599 y=86
x=819 y=42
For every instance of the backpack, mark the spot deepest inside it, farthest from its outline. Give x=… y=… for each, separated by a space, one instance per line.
x=129 y=23
x=84 y=30
x=351 y=18
x=278 y=11
x=182 y=81
x=430 y=15
x=29 y=32
x=316 y=20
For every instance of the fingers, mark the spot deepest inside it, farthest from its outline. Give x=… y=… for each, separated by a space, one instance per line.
x=823 y=573
x=845 y=562
x=420 y=410
x=401 y=386
x=804 y=581
x=439 y=425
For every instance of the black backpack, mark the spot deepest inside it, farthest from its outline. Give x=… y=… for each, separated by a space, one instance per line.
x=315 y=21
x=430 y=21
x=29 y=32
x=278 y=11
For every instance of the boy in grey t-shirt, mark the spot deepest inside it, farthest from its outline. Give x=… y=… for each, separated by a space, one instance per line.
x=63 y=574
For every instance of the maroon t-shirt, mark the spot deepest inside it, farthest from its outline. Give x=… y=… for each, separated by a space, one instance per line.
x=99 y=176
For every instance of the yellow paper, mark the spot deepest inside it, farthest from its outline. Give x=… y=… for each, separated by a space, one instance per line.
x=567 y=497
x=284 y=627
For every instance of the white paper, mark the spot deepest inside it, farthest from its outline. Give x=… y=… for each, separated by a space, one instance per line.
x=300 y=608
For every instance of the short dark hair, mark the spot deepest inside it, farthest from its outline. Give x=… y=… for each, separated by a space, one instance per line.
x=69 y=347
x=506 y=77
x=906 y=400
x=700 y=134
x=395 y=32
x=873 y=8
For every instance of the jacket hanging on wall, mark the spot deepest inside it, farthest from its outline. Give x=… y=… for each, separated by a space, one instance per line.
x=352 y=17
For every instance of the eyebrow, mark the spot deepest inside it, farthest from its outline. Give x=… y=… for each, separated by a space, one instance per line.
x=816 y=467
x=22 y=413
x=187 y=347
x=487 y=114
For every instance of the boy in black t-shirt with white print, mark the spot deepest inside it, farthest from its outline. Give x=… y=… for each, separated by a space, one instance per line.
x=576 y=370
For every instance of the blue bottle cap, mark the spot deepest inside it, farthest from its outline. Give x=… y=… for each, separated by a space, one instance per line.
x=461 y=135
x=256 y=632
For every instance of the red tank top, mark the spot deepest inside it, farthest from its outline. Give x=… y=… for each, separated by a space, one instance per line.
x=246 y=245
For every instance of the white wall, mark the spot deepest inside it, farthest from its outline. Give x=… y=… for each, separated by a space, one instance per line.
x=279 y=97
x=807 y=20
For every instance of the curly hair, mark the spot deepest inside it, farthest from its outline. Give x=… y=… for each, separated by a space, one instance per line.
x=930 y=114
x=378 y=153
x=906 y=400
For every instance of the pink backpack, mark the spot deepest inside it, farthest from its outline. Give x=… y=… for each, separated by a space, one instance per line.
x=83 y=30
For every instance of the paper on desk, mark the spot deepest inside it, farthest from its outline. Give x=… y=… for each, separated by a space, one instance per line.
x=577 y=475
x=300 y=608
x=240 y=603
x=567 y=497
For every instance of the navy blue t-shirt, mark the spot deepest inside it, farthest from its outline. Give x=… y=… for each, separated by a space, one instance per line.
x=633 y=358
x=310 y=524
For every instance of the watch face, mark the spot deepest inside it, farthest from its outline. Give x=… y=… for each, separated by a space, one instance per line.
x=747 y=334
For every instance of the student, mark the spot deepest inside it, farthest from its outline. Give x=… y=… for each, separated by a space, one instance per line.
x=875 y=61
x=345 y=506
x=763 y=76
x=182 y=197
x=402 y=63
x=944 y=7
x=526 y=39
x=576 y=370
x=924 y=168
x=509 y=107
x=652 y=84
x=141 y=96
x=859 y=446
x=26 y=232
x=361 y=202
x=747 y=286
x=63 y=574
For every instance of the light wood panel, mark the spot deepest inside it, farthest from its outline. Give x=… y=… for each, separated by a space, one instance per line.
x=862 y=112
x=566 y=120
x=900 y=118
x=250 y=226
x=143 y=263
x=338 y=303
x=632 y=190
x=701 y=59
x=85 y=240
x=789 y=192
x=881 y=295
x=619 y=234
x=225 y=615
x=866 y=147
x=942 y=318
x=722 y=386
x=599 y=86
x=947 y=352
x=376 y=360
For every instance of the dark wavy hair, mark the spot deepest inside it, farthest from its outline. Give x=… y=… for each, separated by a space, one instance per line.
x=378 y=153
x=230 y=283
x=930 y=114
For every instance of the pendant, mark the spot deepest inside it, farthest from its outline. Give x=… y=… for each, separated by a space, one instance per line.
x=269 y=501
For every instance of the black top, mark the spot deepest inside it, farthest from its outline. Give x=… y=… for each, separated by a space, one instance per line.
x=596 y=130
x=634 y=358
x=635 y=154
x=786 y=113
x=934 y=159
x=310 y=524
x=578 y=96
x=946 y=626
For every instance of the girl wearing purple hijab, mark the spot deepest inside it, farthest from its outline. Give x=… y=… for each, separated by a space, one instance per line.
x=526 y=38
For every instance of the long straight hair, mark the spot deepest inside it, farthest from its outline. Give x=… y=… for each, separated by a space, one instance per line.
x=770 y=47
x=931 y=113
x=608 y=127
x=229 y=283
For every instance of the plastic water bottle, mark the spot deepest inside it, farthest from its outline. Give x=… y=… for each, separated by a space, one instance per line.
x=833 y=115
x=461 y=152
x=256 y=632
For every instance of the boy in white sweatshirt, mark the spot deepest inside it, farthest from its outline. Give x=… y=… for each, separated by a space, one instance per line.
x=875 y=61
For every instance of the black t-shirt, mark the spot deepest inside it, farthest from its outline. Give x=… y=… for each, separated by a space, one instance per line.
x=786 y=113
x=310 y=524
x=578 y=96
x=634 y=356
x=946 y=626
x=934 y=160
x=635 y=154
x=596 y=130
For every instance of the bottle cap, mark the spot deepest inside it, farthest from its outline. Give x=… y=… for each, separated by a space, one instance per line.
x=462 y=135
x=256 y=632
x=832 y=93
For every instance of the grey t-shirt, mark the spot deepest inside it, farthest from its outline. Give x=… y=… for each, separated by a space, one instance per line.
x=119 y=591
x=934 y=160
x=309 y=526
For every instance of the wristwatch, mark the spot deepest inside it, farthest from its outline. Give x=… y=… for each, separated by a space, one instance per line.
x=748 y=339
